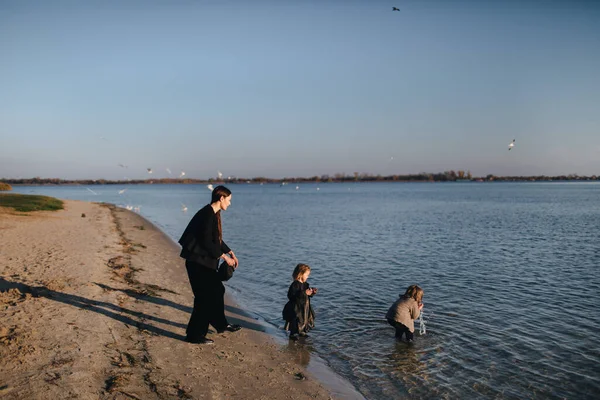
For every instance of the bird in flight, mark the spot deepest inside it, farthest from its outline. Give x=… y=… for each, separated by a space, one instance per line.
x=511 y=145
x=395 y=9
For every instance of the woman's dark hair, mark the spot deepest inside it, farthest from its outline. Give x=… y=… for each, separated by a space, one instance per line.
x=217 y=193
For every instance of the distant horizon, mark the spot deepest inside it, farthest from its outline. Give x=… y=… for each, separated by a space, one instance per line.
x=320 y=178
x=175 y=175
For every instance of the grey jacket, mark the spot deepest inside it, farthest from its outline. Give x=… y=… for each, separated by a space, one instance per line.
x=404 y=310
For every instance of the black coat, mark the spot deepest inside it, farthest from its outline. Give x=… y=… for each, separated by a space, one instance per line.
x=298 y=308
x=200 y=240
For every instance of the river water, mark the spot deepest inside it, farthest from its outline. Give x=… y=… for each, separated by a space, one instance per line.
x=511 y=274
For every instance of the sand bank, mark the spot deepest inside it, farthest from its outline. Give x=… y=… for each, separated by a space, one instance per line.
x=94 y=302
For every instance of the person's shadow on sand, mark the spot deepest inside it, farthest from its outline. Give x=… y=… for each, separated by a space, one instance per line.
x=164 y=302
x=147 y=297
x=110 y=310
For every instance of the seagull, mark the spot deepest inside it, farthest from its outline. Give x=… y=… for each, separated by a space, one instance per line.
x=122 y=191
x=129 y=207
x=210 y=187
x=149 y=170
x=183 y=207
x=220 y=174
x=123 y=166
x=395 y=9
x=511 y=145
x=91 y=191
x=182 y=174
x=169 y=171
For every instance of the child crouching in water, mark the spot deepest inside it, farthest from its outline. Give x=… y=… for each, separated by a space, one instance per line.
x=404 y=311
x=298 y=313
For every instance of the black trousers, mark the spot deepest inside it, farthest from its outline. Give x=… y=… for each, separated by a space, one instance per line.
x=293 y=326
x=209 y=300
x=401 y=329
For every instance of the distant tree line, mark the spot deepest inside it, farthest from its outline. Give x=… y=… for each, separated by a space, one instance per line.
x=446 y=176
x=570 y=177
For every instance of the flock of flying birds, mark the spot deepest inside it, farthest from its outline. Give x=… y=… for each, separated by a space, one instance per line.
x=220 y=175
x=181 y=175
x=150 y=171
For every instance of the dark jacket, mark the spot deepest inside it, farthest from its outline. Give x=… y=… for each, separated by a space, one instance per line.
x=200 y=240
x=298 y=307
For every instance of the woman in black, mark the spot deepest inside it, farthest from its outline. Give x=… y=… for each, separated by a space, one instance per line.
x=202 y=247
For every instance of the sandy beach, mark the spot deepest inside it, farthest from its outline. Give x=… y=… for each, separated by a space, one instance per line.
x=94 y=302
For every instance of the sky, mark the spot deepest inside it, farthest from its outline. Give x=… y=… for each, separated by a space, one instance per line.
x=281 y=88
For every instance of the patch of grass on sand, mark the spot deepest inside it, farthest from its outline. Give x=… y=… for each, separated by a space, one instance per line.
x=26 y=202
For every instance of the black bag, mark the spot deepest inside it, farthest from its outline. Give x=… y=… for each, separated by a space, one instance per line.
x=225 y=271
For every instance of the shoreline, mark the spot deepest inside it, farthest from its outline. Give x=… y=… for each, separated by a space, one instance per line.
x=337 y=385
x=91 y=298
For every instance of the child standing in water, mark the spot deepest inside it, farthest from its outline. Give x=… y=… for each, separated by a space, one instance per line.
x=404 y=311
x=298 y=313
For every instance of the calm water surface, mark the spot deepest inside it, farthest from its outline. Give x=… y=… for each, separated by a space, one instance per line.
x=511 y=273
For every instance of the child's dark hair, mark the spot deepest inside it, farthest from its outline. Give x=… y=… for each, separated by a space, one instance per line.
x=299 y=270
x=414 y=292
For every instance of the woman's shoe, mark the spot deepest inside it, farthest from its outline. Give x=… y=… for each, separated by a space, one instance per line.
x=230 y=328
x=200 y=340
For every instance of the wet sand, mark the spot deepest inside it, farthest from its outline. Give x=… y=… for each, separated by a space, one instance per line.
x=94 y=301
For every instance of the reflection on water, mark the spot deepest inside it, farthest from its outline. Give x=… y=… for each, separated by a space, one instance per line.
x=511 y=273
x=405 y=360
x=299 y=351
x=406 y=365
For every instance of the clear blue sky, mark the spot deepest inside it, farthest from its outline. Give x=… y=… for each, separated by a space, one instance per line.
x=298 y=88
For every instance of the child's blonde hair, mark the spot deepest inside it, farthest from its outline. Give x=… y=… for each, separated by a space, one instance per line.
x=414 y=292
x=299 y=270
